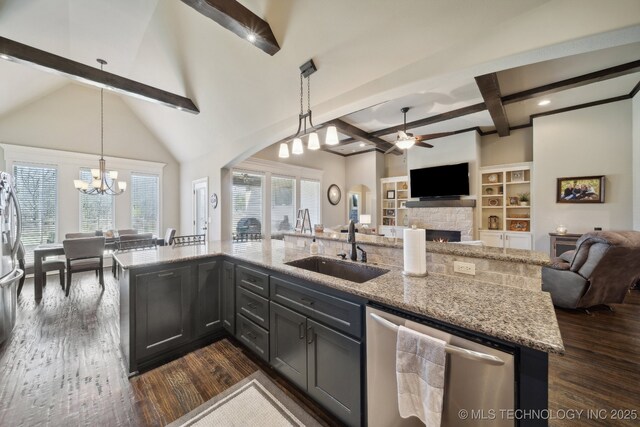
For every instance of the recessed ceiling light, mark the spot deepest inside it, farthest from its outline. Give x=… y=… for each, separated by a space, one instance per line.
x=251 y=37
x=362 y=144
x=3 y=56
x=544 y=102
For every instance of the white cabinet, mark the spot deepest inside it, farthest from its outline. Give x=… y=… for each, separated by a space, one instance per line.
x=510 y=240
x=504 y=206
x=394 y=195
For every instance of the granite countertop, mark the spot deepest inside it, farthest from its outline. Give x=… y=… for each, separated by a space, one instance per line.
x=460 y=249
x=511 y=314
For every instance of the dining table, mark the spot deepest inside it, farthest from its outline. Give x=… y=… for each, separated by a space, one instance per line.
x=43 y=251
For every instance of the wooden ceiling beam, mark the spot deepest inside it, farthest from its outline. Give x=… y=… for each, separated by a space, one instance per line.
x=490 y=90
x=475 y=108
x=21 y=53
x=239 y=20
x=585 y=79
x=358 y=134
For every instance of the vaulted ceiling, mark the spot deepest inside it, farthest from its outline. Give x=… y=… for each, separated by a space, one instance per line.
x=242 y=91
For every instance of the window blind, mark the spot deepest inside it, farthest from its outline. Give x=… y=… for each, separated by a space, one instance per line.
x=37 y=192
x=145 y=203
x=310 y=199
x=283 y=204
x=247 y=203
x=96 y=211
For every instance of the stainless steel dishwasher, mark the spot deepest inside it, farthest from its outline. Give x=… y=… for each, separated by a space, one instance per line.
x=478 y=378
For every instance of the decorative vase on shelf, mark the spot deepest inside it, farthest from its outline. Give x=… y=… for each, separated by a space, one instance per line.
x=524 y=203
x=561 y=229
x=405 y=186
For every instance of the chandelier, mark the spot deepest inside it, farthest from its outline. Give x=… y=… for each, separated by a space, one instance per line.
x=313 y=142
x=103 y=181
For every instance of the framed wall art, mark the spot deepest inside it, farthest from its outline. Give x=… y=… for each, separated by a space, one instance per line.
x=582 y=189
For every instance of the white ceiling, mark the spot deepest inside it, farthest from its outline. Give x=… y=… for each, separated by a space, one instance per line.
x=240 y=90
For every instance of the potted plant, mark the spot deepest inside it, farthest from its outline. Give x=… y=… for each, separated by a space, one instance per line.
x=524 y=199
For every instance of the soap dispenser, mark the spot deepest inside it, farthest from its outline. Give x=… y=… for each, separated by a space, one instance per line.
x=314 y=247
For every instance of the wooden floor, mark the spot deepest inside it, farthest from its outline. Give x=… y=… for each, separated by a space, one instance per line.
x=62 y=366
x=600 y=370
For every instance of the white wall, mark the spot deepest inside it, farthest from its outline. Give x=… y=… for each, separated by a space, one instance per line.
x=69 y=120
x=334 y=173
x=589 y=141
x=464 y=147
x=515 y=148
x=636 y=160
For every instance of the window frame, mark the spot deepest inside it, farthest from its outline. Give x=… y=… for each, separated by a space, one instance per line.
x=130 y=191
x=53 y=166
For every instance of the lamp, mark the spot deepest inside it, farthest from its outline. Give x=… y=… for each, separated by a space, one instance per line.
x=283 y=153
x=103 y=181
x=404 y=141
x=313 y=143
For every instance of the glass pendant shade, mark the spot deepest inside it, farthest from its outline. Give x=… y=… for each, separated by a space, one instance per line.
x=296 y=147
x=95 y=173
x=113 y=174
x=403 y=144
x=122 y=185
x=96 y=183
x=314 y=141
x=332 y=136
x=283 y=153
x=77 y=183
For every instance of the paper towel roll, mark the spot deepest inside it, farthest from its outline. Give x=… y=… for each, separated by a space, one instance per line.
x=415 y=257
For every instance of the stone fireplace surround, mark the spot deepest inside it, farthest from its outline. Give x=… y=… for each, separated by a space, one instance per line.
x=444 y=218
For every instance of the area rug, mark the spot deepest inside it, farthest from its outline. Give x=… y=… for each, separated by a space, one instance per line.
x=254 y=401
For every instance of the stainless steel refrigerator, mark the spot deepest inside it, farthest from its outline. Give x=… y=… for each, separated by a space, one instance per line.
x=10 y=274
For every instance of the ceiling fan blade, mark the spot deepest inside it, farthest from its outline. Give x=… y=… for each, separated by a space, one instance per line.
x=433 y=136
x=423 y=144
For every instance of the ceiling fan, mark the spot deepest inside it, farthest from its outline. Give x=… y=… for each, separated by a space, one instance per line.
x=405 y=140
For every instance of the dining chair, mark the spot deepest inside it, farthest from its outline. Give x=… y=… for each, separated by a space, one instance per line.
x=79 y=235
x=127 y=231
x=47 y=265
x=84 y=255
x=132 y=242
x=168 y=236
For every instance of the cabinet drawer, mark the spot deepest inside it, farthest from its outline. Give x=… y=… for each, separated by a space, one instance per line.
x=253 y=336
x=253 y=307
x=332 y=311
x=254 y=280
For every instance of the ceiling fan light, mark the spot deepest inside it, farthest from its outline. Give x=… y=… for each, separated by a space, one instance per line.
x=404 y=144
x=314 y=141
x=283 y=153
x=332 y=136
x=296 y=147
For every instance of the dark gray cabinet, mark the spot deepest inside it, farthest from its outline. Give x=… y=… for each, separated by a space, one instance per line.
x=333 y=372
x=228 y=297
x=318 y=359
x=253 y=307
x=163 y=311
x=209 y=298
x=253 y=336
x=288 y=344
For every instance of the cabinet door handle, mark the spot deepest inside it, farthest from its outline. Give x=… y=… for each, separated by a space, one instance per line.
x=301 y=330
x=251 y=280
x=306 y=301
x=252 y=305
x=309 y=335
x=501 y=237
x=165 y=274
x=250 y=335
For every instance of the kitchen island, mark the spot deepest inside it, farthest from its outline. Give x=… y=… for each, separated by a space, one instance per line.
x=175 y=299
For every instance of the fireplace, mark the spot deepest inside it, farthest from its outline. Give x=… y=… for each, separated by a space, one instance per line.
x=443 y=235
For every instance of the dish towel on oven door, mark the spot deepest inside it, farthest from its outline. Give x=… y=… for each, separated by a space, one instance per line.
x=420 y=374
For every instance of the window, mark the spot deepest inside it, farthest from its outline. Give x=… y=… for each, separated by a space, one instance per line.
x=310 y=199
x=283 y=204
x=37 y=192
x=96 y=211
x=247 y=193
x=145 y=203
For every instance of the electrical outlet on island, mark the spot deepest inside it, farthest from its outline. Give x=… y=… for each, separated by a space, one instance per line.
x=464 y=268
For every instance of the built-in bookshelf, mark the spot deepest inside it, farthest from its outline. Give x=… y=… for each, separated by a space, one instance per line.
x=394 y=193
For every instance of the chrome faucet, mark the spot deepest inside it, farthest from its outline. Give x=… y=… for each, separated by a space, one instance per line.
x=351 y=238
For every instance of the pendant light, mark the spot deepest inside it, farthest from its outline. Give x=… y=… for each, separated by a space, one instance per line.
x=283 y=153
x=314 y=142
x=296 y=147
x=103 y=182
x=332 y=136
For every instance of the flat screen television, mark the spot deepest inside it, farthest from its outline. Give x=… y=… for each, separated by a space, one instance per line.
x=450 y=181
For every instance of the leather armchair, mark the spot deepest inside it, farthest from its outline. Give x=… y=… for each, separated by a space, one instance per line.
x=601 y=270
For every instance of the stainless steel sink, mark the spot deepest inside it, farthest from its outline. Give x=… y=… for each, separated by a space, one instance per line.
x=346 y=270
